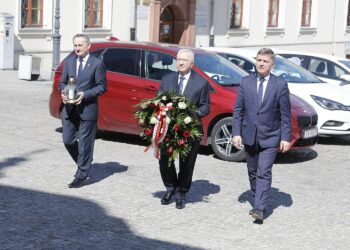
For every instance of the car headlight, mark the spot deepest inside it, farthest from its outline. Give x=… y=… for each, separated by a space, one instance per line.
x=329 y=104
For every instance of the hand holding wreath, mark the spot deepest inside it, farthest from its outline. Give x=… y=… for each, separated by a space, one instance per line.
x=169 y=123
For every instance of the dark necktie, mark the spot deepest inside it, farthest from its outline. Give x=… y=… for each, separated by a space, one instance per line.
x=181 y=84
x=80 y=69
x=260 y=91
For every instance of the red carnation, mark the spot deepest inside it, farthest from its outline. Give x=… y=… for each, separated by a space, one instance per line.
x=170 y=151
x=176 y=127
x=181 y=142
x=167 y=139
x=149 y=131
x=186 y=134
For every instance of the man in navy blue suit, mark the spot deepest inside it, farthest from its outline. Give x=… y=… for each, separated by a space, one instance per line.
x=80 y=116
x=262 y=122
x=196 y=89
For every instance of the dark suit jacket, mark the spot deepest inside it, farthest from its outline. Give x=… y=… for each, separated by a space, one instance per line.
x=197 y=90
x=92 y=82
x=272 y=122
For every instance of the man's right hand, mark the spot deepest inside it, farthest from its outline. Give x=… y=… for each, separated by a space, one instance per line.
x=237 y=142
x=64 y=97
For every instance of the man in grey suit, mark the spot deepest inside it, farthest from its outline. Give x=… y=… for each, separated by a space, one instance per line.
x=262 y=121
x=80 y=116
x=196 y=89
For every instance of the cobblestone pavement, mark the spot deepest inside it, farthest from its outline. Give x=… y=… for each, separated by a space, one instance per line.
x=120 y=207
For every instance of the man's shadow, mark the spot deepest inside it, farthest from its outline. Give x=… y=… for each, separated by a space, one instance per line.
x=100 y=171
x=199 y=192
x=276 y=199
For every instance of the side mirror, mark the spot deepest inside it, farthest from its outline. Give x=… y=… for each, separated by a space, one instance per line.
x=345 y=78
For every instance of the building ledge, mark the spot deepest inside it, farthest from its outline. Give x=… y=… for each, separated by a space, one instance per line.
x=275 y=31
x=238 y=32
x=308 y=31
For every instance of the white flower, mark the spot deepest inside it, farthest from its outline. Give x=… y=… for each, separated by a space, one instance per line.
x=141 y=121
x=143 y=105
x=164 y=98
x=153 y=120
x=187 y=120
x=168 y=119
x=182 y=105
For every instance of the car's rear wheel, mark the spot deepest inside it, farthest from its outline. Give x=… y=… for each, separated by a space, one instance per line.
x=221 y=142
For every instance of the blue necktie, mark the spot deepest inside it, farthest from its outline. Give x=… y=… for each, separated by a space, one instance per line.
x=181 y=84
x=80 y=69
x=260 y=91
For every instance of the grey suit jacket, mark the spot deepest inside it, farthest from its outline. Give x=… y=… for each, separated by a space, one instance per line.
x=92 y=82
x=197 y=90
x=270 y=123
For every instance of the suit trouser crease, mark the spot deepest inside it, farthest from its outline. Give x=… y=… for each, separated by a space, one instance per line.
x=79 y=138
x=183 y=180
x=259 y=163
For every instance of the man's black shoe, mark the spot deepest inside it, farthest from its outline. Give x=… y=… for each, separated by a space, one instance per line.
x=166 y=199
x=76 y=183
x=258 y=215
x=251 y=212
x=180 y=201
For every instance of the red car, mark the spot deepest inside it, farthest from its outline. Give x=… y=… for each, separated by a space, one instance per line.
x=134 y=71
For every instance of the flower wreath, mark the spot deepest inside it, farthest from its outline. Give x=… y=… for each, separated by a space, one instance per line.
x=168 y=122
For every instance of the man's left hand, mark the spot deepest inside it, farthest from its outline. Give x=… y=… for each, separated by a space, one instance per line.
x=284 y=146
x=80 y=97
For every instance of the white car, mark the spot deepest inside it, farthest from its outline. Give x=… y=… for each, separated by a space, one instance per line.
x=331 y=103
x=332 y=69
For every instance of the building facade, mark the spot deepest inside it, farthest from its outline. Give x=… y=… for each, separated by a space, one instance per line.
x=314 y=25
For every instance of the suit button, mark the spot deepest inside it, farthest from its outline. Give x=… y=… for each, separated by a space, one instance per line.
x=258 y=113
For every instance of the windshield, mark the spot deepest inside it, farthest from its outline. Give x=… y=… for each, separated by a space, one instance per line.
x=219 y=69
x=293 y=73
x=346 y=63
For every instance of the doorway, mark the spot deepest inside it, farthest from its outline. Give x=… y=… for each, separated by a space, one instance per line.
x=166 y=28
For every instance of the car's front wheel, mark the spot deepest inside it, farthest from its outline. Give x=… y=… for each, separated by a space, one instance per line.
x=221 y=142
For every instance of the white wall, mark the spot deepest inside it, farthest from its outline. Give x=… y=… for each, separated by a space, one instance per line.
x=327 y=33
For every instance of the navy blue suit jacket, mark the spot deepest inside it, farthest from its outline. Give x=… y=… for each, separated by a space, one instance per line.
x=270 y=123
x=197 y=90
x=92 y=82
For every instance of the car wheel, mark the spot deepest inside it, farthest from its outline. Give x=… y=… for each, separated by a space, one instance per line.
x=221 y=142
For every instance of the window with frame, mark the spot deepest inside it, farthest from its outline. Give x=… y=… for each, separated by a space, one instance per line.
x=348 y=17
x=31 y=13
x=273 y=13
x=124 y=61
x=236 y=14
x=93 y=13
x=306 y=13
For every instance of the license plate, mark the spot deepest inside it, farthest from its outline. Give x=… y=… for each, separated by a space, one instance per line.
x=309 y=133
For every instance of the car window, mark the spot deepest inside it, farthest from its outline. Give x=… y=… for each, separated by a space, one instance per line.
x=97 y=52
x=158 y=64
x=346 y=63
x=296 y=59
x=219 y=69
x=125 y=61
x=292 y=73
x=241 y=62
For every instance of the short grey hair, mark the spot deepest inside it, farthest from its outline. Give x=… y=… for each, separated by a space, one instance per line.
x=267 y=51
x=188 y=51
x=86 y=38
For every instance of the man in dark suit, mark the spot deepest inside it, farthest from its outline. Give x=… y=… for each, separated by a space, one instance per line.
x=262 y=121
x=196 y=89
x=80 y=115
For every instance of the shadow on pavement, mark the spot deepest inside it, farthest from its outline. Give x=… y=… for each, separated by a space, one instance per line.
x=199 y=192
x=100 y=171
x=38 y=220
x=296 y=156
x=13 y=161
x=276 y=198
